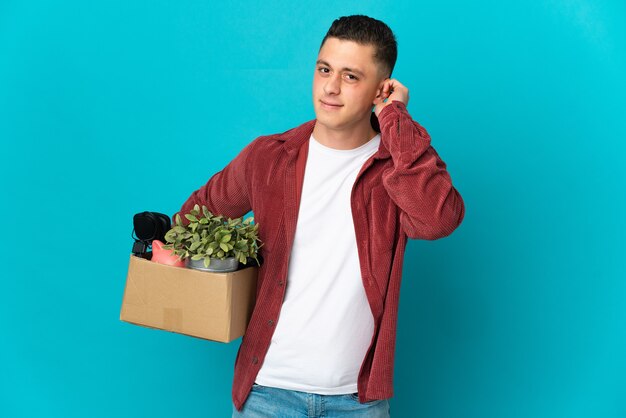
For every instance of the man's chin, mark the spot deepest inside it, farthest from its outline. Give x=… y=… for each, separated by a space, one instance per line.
x=328 y=122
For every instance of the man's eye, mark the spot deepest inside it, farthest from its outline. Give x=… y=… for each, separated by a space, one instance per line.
x=352 y=77
x=322 y=69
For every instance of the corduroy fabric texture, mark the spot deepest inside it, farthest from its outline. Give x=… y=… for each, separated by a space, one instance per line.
x=403 y=191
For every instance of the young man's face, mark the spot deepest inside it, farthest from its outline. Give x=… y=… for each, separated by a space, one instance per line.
x=346 y=76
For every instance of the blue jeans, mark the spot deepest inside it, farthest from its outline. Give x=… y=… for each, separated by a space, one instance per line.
x=269 y=402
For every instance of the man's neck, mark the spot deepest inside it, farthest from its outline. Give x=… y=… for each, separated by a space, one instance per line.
x=343 y=139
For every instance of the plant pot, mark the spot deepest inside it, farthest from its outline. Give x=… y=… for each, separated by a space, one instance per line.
x=216 y=265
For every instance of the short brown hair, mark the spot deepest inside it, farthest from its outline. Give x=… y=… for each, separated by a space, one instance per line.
x=365 y=30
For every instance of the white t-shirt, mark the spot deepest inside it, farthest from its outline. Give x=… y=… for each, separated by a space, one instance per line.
x=325 y=325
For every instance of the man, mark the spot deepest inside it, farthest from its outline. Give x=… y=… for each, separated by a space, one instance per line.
x=336 y=199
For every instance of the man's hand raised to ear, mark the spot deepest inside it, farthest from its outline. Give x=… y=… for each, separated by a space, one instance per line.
x=392 y=90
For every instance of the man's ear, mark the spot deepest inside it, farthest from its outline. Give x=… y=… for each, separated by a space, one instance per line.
x=379 y=92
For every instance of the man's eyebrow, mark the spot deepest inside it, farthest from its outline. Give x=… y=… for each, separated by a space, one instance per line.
x=353 y=70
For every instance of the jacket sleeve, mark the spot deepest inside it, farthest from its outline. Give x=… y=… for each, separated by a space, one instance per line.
x=418 y=183
x=227 y=192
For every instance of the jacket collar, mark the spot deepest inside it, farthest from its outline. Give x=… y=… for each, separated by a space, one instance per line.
x=293 y=138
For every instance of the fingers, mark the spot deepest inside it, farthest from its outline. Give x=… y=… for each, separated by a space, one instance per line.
x=387 y=89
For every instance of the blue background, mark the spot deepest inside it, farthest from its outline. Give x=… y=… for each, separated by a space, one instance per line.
x=112 y=108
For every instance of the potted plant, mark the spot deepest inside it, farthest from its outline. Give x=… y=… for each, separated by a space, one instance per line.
x=212 y=243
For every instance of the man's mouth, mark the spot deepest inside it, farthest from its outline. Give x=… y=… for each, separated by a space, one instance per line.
x=330 y=105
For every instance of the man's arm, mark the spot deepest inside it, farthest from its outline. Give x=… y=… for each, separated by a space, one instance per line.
x=418 y=183
x=226 y=192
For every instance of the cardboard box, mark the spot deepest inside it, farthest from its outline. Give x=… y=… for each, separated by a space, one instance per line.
x=213 y=306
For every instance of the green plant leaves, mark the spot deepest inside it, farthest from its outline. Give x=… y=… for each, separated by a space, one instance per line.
x=170 y=236
x=208 y=235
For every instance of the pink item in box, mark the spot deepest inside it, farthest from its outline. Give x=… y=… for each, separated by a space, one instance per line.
x=164 y=256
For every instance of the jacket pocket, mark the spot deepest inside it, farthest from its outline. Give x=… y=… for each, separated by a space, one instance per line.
x=383 y=224
x=382 y=220
x=269 y=213
x=271 y=232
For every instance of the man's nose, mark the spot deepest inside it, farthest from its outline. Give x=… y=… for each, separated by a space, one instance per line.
x=333 y=85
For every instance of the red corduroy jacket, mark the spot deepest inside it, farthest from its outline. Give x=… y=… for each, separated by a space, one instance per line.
x=402 y=191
